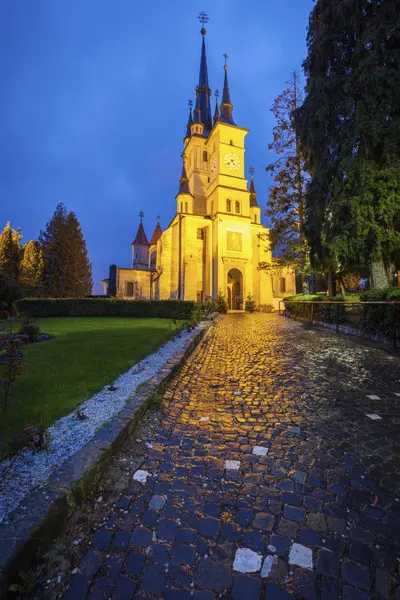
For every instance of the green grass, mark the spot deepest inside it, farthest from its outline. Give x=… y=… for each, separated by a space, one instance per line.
x=83 y=355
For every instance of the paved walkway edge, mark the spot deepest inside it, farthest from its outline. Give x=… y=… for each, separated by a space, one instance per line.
x=25 y=539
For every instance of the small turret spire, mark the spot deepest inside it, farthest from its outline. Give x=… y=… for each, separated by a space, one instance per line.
x=190 y=120
x=216 y=112
x=184 y=181
x=226 y=104
x=253 y=195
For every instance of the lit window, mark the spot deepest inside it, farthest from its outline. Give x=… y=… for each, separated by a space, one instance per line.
x=237 y=207
x=282 y=285
x=205 y=156
x=228 y=206
x=200 y=233
x=129 y=289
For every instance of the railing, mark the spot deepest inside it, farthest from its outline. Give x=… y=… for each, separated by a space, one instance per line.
x=379 y=320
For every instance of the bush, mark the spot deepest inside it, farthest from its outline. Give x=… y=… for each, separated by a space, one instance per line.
x=222 y=303
x=378 y=319
x=209 y=306
x=250 y=305
x=300 y=308
x=29 y=329
x=104 y=307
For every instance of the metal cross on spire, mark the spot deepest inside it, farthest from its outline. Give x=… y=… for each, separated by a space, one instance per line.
x=216 y=94
x=226 y=59
x=141 y=215
x=158 y=218
x=190 y=104
x=203 y=18
x=251 y=171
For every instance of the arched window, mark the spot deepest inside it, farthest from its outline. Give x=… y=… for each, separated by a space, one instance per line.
x=237 y=207
x=205 y=156
x=186 y=207
x=181 y=206
x=212 y=207
x=255 y=218
x=228 y=206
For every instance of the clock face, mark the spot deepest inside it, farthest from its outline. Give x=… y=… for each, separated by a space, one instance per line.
x=232 y=161
x=214 y=166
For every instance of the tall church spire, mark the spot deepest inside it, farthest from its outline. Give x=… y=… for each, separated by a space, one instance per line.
x=203 y=89
x=226 y=104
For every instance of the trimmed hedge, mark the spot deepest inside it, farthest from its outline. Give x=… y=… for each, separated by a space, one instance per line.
x=300 y=308
x=381 y=320
x=104 y=307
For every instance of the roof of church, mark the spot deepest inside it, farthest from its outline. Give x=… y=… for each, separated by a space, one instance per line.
x=141 y=238
x=253 y=195
x=157 y=233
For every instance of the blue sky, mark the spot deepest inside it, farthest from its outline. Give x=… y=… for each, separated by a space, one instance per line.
x=94 y=98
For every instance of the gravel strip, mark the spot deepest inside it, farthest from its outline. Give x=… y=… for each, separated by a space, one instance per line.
x=66 y=436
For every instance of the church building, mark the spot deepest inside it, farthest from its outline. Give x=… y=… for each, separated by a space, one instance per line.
x=216 y=241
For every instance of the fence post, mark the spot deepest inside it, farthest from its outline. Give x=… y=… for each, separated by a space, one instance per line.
x=312 y=313
x=394 y=327
x=337 y=318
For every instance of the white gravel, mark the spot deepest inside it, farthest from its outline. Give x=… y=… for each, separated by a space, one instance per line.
x=66 y=436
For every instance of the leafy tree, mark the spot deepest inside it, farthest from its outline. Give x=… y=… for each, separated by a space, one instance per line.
x=349 y=129
x=10 y=251
x=250 y=305
x=31 y=270
x=67 y=270
x=285 y=205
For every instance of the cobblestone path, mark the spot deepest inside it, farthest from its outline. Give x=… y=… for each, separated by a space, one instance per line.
x=274 y=473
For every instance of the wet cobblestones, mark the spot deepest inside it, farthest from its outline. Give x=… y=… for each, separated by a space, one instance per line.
x=312 y=489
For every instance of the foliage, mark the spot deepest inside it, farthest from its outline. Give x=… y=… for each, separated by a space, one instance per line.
x=222 y=303
x=285 y=205
x=10 y=369
x=381 y=319
x=80 y=358
x=10 y=291
x=194 y=318
x=67 y=270
x=29 y=329
x=104 y=307
x=349 y=128
x=209 y=306
x=303 y=307
x=10 y=252
x=31 y=269
x=250 y=304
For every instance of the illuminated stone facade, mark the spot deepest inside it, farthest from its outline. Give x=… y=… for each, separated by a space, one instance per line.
x=216 y=240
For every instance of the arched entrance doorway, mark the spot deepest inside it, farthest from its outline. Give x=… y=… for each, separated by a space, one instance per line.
x=235 y=290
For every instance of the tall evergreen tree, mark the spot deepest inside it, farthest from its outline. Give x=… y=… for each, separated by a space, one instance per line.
x=31 y=270
x=10 y=251
x=285 y=205
x=349 y=127
x=67 y=270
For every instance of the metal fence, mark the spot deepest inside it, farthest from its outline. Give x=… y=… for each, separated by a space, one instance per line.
x=378 y=320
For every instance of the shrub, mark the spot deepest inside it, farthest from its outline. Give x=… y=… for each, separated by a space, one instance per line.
x=222 y=303
x=104 y=307
x=381 y=320
x=29 y=329
x=301 y=307
x=250 y=305
x=209 y=306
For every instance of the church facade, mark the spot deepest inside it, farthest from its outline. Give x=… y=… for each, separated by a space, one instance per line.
x=216 y=241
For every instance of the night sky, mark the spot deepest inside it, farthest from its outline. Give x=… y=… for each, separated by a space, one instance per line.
x=93 y=105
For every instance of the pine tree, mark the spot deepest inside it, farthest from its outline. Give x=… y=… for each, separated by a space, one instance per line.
x=10 y=251
x=31 y=270
x=349 y=128
x=285 y=205
x=67 y=270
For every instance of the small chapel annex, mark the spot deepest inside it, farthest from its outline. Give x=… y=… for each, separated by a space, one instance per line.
x=216 y=241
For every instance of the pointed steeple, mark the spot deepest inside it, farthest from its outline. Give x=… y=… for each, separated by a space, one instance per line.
x=203 y=89
x=141 y=238
x=184 y=181
x=190 y=120
x=217 y=116
x=226 y=104
x=253 y=195
x=157 y=233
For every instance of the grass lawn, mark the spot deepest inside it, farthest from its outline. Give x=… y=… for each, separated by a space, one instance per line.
x=83 y=355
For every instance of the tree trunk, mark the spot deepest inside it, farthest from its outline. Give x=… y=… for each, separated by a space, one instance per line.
x=378 y=275
x=304 y=284
x=342 y=287
x=331 y=283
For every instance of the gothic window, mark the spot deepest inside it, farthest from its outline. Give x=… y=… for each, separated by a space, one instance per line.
x=255 y=218
x=282 y=285
x=129 y=289
x=200 y=233
x=205 y=156
x=186 y=207
x=228 y=206
x=181 y=206
x=237 y=207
